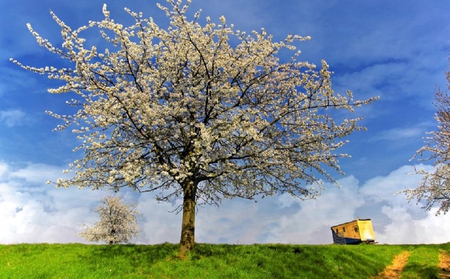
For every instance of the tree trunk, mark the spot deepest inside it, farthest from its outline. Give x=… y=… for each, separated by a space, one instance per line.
x=187 y=239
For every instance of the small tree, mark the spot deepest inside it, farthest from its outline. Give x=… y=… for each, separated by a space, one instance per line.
x=198 y=112
x=434 y=188
x=117 y=223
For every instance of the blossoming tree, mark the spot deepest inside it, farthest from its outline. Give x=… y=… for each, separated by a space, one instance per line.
x=434 y=188
x=117 y=223
x=201 y=112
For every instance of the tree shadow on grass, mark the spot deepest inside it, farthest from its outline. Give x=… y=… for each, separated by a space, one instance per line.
x=135 y=255
x=216 y=250
x=423 y=271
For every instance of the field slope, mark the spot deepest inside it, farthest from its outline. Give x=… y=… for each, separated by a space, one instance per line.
x=216 y=261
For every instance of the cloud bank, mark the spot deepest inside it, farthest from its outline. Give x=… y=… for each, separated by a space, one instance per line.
x=34 y=212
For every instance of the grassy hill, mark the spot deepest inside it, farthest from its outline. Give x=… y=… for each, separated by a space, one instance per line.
x=214 y=261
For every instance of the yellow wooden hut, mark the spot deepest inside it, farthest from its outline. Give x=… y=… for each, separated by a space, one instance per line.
x=354 y=232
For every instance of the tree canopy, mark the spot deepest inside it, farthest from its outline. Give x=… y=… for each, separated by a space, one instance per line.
x=434 y=188
x=202 y=112
x=117 y=223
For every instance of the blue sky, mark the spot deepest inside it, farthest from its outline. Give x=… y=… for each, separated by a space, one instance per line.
x=397 y=50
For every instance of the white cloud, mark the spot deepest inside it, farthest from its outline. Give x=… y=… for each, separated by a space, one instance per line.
x=311 y=224
x=383 y=188
x=37 y=173
x=308 y=222
x=3 y=169
x=400 y=133
x=404 y=133
x=12 y=117
x=157 y=223
x=405 y=229
x=35 y=212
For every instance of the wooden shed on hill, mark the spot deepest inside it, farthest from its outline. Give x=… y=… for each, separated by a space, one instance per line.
x=353 y=232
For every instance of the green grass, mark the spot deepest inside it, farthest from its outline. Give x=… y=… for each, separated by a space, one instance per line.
x=422 y=263
x=212 y=261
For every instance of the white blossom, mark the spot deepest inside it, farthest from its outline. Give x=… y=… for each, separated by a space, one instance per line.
x=434 y=188
x=117 y=223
